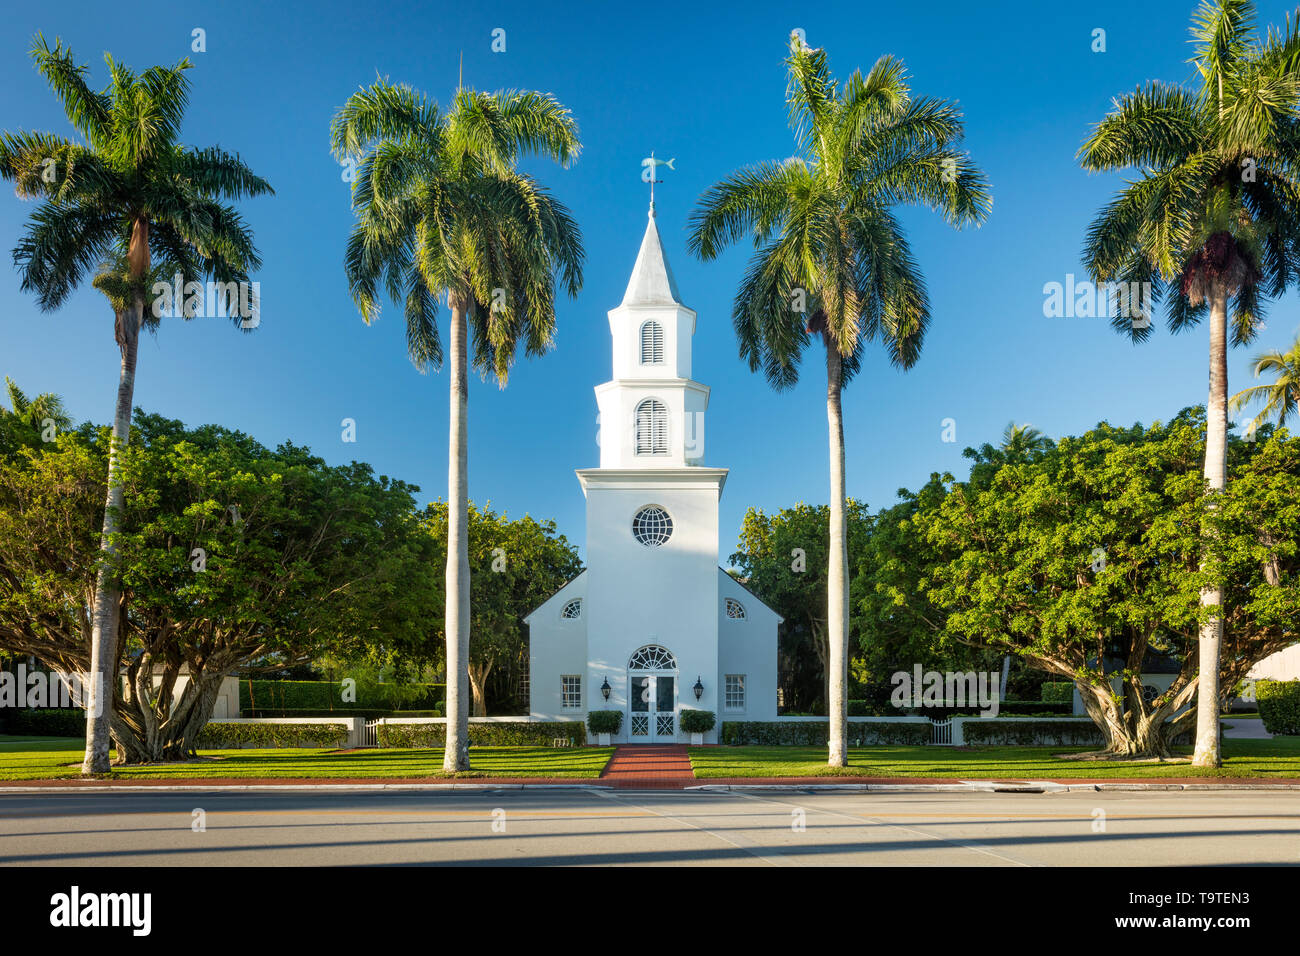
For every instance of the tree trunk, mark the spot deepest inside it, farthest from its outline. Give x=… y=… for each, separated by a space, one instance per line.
x=837 y=581
x=103 y=640
x=456 y=755
x=1216 y=479
x=150 y=730
x=478 y=676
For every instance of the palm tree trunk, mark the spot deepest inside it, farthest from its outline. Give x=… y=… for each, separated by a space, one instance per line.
x=1216 y=478
x=837 y=581
x=105 y=614
x=103 y=640
x=456 y=754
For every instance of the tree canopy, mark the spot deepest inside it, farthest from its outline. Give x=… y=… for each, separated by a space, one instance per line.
x=230 y=553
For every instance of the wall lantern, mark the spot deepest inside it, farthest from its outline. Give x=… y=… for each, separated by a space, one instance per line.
x=699 y=689
x=604 y=688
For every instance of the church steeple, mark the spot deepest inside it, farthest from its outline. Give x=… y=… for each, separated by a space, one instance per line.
x=652 y=412
x=652 y=281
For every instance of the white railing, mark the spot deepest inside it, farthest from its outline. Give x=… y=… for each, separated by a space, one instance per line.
x=941 y=731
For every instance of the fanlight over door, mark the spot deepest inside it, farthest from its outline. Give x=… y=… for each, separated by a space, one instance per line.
x=652 y=695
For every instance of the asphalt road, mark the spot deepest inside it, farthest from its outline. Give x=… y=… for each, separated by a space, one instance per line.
x=559 y=828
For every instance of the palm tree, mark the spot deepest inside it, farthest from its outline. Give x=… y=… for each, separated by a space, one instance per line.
x=1282 y=395
x=132 y=190
x=35 y=413
x=442 y=213
x=1024 y=443
x=832 y=258
x=1211 y=221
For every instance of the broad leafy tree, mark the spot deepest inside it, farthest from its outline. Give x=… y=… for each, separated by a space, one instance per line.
x=1211 y=221
x=896 y=625
x=230 y=554
x=1089 y=561
x=784 y=558
x=444 y=214
x=128 y=188
x=833 y=261
x=515 y=565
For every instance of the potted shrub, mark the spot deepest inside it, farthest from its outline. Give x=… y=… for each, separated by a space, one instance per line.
x=697 y=723
x=604 y=724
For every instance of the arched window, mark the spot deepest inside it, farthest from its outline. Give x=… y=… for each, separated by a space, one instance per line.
x=652 y=428
x=735 y=610
x=572 y=610
x=652 y=343
x=652 y=526
x=652 y=657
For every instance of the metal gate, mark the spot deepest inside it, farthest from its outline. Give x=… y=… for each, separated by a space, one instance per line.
x=370 y=735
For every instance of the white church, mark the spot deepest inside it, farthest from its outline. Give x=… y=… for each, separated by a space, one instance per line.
x=653 y=626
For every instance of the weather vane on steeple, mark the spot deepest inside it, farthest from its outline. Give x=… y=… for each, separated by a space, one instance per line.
x=648 y=174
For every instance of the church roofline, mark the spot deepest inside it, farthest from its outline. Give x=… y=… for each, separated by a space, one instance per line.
x=741 y=584
x=687 y=383
x=647 y=477
x=528 y=618
x=650 y=307
x=651 y=282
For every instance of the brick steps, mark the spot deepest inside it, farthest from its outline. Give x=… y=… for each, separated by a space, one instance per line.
x=649 y=766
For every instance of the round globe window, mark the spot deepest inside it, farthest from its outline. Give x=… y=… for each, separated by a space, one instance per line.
x=652 y=526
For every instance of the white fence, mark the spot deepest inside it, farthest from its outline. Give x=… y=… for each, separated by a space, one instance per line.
x=941 y=732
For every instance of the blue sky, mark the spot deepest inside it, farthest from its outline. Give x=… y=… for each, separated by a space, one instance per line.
x=690 y=81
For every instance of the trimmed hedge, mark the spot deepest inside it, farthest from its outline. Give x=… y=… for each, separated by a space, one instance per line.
x=697 y=721
x=48 y=722
x=1279 y=706
x=1047 y=733
x=604 y=721
x=496 y=734
x=216 y=736
x=1028 y=733
x=1057 y=692
x=773 y=733
x=358 y=712
x=303 y=695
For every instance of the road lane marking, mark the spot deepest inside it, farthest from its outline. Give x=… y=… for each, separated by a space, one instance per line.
x=739 y=843
x=963 y=844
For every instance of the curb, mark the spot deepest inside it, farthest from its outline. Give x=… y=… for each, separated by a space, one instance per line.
x=299 y=787
x=967 y=786
x=989 y=786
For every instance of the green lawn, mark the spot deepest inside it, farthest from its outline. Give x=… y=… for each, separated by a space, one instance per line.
x=39 y=758
x=1277 y=758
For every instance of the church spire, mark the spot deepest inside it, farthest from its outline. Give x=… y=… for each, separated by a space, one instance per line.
x=652 y=281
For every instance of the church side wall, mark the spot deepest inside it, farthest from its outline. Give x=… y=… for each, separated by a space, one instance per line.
x=747 y=647
x=557 y=646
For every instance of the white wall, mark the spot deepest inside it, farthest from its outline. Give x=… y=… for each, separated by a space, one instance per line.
x=746 y=647
x=1284 y=665
x=678 y=323
x=226 y=704
x=666 y=595
x=555 y=647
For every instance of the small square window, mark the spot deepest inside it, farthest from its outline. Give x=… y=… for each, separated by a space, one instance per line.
x=734 y=692
x=571 y=692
